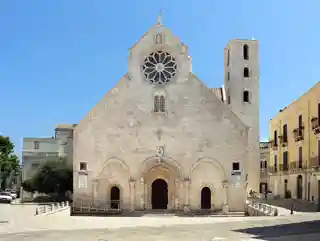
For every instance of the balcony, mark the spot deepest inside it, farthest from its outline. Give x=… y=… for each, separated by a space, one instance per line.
x=283 y=140
x=297 y=166
x=263 y=172
x=273 y=169
x=315 y=125
x=274 y=145
x=298 y=133
x=283 y=167
x=314 y=162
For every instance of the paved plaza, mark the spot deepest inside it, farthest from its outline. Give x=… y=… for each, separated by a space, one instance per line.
x=22 y=225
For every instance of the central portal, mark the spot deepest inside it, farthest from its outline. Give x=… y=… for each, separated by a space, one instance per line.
x=159 y=194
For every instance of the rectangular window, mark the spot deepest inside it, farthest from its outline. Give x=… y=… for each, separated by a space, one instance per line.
x=229 y=100
x=285 y=133
x=36 y=145
x=285 y=160
x=300 y=157
x=300 y=121
x=275 y=138
x=265 y=164
x=34 y=166
x=246 y=96
x=261 y=165
x=236 y=166
x=275 y=163
x=228 y=75
x=83 y=166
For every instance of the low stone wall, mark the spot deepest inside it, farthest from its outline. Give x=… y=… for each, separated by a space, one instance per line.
x=51 y=208
x=256 y=208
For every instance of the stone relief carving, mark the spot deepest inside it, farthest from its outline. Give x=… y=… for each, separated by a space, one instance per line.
x=160 y=152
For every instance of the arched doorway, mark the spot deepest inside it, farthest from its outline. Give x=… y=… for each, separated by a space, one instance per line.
x=115 y=198
x=299 y=187
x=205 y=198
x=159 y=194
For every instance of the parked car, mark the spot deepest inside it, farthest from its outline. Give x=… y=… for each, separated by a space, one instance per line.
x=5 y=197
x=12 y=193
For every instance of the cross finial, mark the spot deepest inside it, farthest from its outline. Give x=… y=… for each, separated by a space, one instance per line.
x=160 y=18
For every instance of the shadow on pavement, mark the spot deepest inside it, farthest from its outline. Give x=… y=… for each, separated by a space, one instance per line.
x=265 y=233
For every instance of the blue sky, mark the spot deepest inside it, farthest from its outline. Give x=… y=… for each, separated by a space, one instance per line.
x=58 y=57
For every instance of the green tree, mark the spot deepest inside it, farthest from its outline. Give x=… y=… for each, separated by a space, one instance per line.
x=54 y=177
x=9 y=162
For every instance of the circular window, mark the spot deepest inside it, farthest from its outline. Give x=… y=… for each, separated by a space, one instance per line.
x=159 y=67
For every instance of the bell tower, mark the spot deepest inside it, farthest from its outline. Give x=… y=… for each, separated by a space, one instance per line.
x=242 y=86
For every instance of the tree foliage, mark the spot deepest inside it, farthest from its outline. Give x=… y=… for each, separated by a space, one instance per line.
x=9 y=162
x=53 y=177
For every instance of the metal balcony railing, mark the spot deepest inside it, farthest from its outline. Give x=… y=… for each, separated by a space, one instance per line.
x=298 y=133
x=315 y=125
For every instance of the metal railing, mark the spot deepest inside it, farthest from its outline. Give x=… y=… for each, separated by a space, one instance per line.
x=315 y=125
x=85 y=206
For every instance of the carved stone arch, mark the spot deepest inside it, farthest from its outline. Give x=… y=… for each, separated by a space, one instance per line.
x=154 y=161
x=114 y=160
x=211 y=161
x=209 y=185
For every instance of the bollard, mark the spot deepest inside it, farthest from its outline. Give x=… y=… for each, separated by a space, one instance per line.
x=291 y=210
x=37 y=211
x=62 y=204
x=67 y=203
x=52 y=207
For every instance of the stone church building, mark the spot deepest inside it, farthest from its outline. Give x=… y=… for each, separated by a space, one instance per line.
x=161 y=139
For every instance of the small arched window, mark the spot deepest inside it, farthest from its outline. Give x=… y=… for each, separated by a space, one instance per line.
x=228 y=57
x=246 y=73
x=159 y=103
x=246 y=96
x=246 y=52
x=158 y=38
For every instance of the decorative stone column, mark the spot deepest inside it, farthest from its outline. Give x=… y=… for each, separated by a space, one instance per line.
x=186 y=182
x=142 y=201
x=95 y=191
x=175 y=204
x=132 y=194
x=225 y=207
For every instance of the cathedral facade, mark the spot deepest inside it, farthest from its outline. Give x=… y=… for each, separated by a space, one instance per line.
x=161 y=139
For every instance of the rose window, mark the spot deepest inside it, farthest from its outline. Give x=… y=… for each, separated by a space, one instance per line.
x=159 y=67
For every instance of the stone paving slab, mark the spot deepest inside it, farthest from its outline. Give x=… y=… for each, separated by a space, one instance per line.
x=232 y=230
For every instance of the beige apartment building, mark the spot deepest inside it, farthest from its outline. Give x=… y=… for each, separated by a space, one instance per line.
x=295 y=148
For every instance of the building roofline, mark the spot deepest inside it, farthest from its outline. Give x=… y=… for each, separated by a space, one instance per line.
x=280 y=112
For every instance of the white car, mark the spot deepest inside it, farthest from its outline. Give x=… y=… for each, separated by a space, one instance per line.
x=12 y=193
x=5 y=197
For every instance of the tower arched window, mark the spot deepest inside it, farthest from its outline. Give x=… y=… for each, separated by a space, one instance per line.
x=228 y=57
x=158 y=38
x=246 y=52
x=159 y=103
x=246 y=96
x=246 y=73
